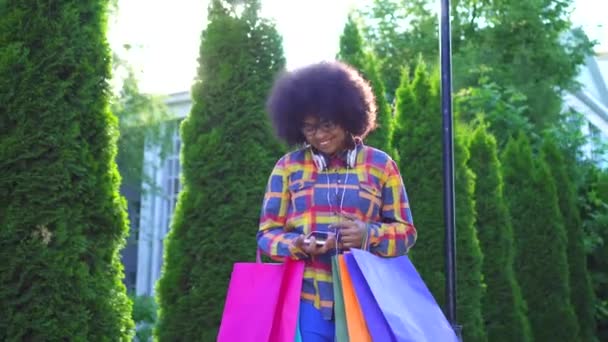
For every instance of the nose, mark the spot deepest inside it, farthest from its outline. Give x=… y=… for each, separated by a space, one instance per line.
x=320 y=134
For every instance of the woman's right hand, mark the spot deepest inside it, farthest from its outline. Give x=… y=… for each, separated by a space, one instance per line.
x=312 y=248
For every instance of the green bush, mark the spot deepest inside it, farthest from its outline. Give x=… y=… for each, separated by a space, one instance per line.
x=63 y=220
x=418 y=140
x=381 y=137
x=144 y=316
x=581 y=292
x=594 y=212
x=228 y=151
x=352 y=53
x=504 y=309
x=541 y=263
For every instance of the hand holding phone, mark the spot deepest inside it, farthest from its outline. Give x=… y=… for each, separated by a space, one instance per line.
x=352 y=231
x=316 y=243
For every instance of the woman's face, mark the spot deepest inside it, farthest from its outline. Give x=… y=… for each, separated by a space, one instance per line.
x=325 y=136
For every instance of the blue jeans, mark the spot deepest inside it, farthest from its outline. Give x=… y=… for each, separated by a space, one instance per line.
x=313 y=327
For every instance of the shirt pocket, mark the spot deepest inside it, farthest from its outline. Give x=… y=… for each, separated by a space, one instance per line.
x=370 y=200
x=301 y=193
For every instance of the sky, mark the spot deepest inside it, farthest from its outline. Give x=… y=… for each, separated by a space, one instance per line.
x=165 y=35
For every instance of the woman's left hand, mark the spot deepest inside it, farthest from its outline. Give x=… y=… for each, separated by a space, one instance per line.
x=352 y=231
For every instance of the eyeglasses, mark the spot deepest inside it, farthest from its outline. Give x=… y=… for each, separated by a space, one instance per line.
x=324 y=126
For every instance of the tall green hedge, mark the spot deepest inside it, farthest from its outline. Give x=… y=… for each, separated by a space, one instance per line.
x=382 y=136
x=541 y=263
x=228 y=151
x=61 y=216
x=418 y=140
x=351 y=45
x=504 y=310
x=469 y=259
x=581 y=291
x=594 y=212
x=352 y=52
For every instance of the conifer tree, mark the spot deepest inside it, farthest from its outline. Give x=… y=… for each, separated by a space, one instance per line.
x=504 y=309
x=228 y=151
x=353 y=53
x=541 y=264
x=418 y=140
x=62 y=219
x=581 y=292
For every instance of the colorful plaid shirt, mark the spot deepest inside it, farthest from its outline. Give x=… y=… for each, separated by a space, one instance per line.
x=299 y=200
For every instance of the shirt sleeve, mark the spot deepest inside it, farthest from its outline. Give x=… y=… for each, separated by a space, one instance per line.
x=396 y=234
x=272 y=238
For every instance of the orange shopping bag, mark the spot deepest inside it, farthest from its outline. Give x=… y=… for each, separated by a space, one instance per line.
x=355 y=322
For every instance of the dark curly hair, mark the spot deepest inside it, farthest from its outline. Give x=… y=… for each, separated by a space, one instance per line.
x=331 y=91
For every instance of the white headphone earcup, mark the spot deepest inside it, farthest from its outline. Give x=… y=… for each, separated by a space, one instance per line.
x=351 y=158
x=319 y=161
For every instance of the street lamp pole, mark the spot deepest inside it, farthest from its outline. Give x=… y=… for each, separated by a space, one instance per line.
x=448 y=165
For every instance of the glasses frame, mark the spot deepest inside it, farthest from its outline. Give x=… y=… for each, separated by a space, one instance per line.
x=326 y=126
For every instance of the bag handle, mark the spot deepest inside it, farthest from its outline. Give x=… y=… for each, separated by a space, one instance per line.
x=365 y=242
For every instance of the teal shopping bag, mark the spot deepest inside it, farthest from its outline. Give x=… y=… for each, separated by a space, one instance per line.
x=298 y=334
x=339 y=311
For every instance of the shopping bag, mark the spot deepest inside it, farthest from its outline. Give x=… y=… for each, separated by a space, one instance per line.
x=339 y=313
x=355 y=322
x=405 y=301
x=377 y=325
x=262 y=302
x=298 y=337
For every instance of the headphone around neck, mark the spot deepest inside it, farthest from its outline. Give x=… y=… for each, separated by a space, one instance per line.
x=321 y=161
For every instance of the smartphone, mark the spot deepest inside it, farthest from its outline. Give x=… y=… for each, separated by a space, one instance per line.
x=320 y=238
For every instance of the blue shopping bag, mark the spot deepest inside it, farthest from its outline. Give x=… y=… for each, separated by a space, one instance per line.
x=376 y=323
x=410 y=311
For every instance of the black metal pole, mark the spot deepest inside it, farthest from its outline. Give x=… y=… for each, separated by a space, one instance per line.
x=448 y=165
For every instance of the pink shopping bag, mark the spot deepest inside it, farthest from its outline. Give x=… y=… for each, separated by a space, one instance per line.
x=262 y=303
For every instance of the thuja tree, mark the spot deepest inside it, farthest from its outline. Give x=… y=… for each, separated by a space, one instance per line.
x=504 y=309
x=541 y=263
x=581 y=292
x=61 y=216
x=228 y=151
x=352 y=52
x=418 y=140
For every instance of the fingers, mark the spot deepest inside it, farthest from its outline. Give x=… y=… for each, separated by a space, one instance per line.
x=299 y=242
x=349 y=216
x=351 y=242
x=350 y=232
x=312 y=248
x=330 y=243
x=350 y=224
x=351 y=236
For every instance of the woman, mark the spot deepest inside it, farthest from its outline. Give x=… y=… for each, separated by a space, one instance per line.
x=332 y=184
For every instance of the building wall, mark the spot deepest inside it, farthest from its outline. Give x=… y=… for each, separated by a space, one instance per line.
x=592 y=101
x=129 y=252
x=158 y=204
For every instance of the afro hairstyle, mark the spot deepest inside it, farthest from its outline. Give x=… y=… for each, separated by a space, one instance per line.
x=330 y=91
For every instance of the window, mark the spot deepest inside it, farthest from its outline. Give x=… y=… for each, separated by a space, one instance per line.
x=171 y=187
x=172 y=184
